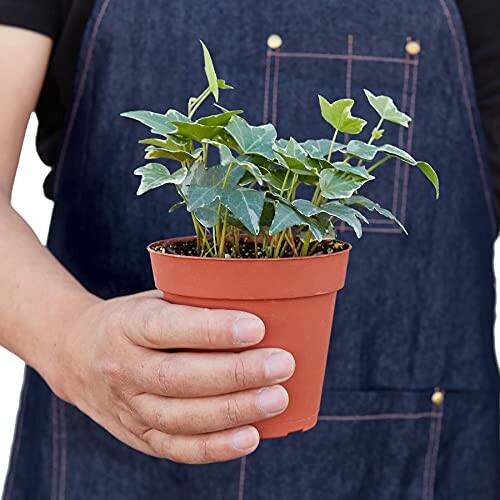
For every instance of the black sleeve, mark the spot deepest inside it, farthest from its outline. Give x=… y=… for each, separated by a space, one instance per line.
x=481 y=20
x=42 y=16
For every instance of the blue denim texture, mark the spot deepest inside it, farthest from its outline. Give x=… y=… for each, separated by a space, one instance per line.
x=416 y=313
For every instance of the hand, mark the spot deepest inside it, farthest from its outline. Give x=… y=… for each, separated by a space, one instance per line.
x=123 y=366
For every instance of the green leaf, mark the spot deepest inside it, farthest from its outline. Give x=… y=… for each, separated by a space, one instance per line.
x=172 y=154
x=159 y=124
x=362 y=150
x=338 y=114
x=334 y=209
x=336 y=184
x=359 y=171
x=294 y=158
x=213 y=82
x=276 y=179
x=212 y=177
x=431 y=175
x=253 y=140
x=386 y=109
x=227 y=158
x=397 y=153
x=246 y=205
x=220 y=120
x=155 y=175
x=286 y=215
x=223 y=85
x=196 y=131
x=374 y=207
x=320 y=148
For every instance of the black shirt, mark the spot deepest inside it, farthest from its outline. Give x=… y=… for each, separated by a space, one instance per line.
x=64 y=21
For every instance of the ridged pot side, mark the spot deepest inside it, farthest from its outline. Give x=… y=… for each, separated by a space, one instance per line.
x=295 y=297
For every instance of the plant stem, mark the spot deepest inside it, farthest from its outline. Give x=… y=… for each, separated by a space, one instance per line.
x=376 y=129
x=307 y=242
x=276 y=253
x=222 y=244
x=198 y=102
x=380 y=162
x=332 y=144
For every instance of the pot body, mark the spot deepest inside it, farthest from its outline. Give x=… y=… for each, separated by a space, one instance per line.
x=294 y=297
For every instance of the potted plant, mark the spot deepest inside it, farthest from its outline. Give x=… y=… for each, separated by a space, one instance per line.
x=258 y=246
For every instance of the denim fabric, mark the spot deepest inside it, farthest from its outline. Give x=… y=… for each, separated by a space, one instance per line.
x=417 y=312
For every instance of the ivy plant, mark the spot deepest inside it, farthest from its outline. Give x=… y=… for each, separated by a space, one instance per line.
x=251 y=192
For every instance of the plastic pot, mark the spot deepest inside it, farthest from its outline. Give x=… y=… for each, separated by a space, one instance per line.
x=295 y=297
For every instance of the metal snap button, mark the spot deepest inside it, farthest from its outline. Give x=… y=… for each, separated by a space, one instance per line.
x=413 y=48
x=438 y=398
x=274 y=41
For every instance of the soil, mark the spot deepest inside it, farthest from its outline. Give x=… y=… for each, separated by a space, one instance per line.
x=247 y=249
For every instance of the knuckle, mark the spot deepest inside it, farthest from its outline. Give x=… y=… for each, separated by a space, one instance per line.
x=148 y=321
x=112 y=372
x=233 y=412
x=165 y=375
x=208 y=328
x=205 y=451
x=239 y=372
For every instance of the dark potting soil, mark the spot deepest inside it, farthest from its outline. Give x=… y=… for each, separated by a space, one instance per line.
x=246 y=250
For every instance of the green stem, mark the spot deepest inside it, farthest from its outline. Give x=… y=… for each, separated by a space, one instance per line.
x=221 y=233
x=198 y=102
x=222 y=244
x=380 y=162
x=307 y=242
x=376 y=129
x=332 y=144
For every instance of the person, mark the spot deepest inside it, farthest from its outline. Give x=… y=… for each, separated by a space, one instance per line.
x=410 y=405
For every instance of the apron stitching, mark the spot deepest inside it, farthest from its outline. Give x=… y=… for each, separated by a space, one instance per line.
x=241 y=489
x=348 y=75
x=380 y=416
x=17 y=443
x=413 y=105
x=404 y=103
x=343 y=57
x=63 y=439
x=55 y=448
x=470 y=114
x=276 y=88
x=267 y=80
x=435 y=453
x=81 y=86
x=348 y=93
x=430 y=442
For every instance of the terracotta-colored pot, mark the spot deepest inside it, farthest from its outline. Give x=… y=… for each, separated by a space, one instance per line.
x=295 y=297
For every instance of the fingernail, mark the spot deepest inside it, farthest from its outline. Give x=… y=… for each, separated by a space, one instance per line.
x=245 y=439
x=279 y=366
x=248 y=331
x=272 y=400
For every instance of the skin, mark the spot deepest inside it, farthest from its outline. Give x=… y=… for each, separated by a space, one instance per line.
x=124 y=362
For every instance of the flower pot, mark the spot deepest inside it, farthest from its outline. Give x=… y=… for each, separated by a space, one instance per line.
x=295 y=297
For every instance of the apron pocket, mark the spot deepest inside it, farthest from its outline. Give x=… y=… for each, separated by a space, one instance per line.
x=373 y=445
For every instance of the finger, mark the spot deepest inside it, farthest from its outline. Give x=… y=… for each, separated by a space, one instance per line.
x=157 y=324
x=206 y=415
x=189 y=374
x=204 y=449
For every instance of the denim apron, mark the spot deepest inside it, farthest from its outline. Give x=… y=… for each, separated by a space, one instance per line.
x=410 y=403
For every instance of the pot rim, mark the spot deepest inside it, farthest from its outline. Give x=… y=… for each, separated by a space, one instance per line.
x=253 y=259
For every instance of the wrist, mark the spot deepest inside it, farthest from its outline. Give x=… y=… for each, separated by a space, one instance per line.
x=53 y=361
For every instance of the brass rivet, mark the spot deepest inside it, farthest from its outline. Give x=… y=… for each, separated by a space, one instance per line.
x=438 y=398
x=413 y=48
x=274 y=41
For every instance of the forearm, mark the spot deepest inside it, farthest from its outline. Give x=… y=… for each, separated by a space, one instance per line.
x=37 y=295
